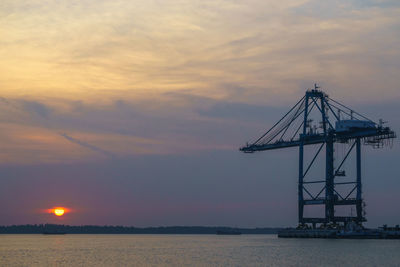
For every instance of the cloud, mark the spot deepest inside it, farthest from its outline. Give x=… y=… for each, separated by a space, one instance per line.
x=36 y=108
x=100 y=50
x=180 y=85
x=87 y=145
x=179 y=76
x=240 y=111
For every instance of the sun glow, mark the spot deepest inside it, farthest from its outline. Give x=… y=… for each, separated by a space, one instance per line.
x=58 y=211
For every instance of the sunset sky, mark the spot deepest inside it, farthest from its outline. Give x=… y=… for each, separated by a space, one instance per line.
x=131 y=112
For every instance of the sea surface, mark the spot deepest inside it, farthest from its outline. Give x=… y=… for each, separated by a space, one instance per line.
x=193 y=250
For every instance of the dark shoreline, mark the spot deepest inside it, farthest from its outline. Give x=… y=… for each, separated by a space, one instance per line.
x=93 y=229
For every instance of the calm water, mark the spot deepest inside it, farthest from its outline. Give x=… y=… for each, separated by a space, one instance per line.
x=193 y=250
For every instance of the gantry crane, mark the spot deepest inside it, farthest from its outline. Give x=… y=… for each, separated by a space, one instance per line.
x=338 y=125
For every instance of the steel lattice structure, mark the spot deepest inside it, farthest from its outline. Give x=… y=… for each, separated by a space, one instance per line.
x=339 y=125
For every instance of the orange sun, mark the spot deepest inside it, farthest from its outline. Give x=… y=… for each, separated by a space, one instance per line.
x=59 y=211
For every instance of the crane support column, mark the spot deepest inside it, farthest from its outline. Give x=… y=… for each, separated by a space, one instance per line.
x=301 y=162
x=300 y=186
x=358 y=195
x=329 y=183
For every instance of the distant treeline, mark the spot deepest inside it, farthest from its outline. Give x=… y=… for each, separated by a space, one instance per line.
x=93 y=229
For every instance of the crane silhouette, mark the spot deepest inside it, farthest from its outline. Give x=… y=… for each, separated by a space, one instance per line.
x=338 y=124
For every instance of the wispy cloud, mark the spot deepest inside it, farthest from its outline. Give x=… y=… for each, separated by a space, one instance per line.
x=87 y=145
x=180 y=75
x=102 y=49
x=36 y=108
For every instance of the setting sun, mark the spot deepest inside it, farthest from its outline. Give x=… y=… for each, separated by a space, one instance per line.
x=59 y=211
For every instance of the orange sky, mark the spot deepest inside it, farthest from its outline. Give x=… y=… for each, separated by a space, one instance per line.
x=132 y=112
x=65 y=60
